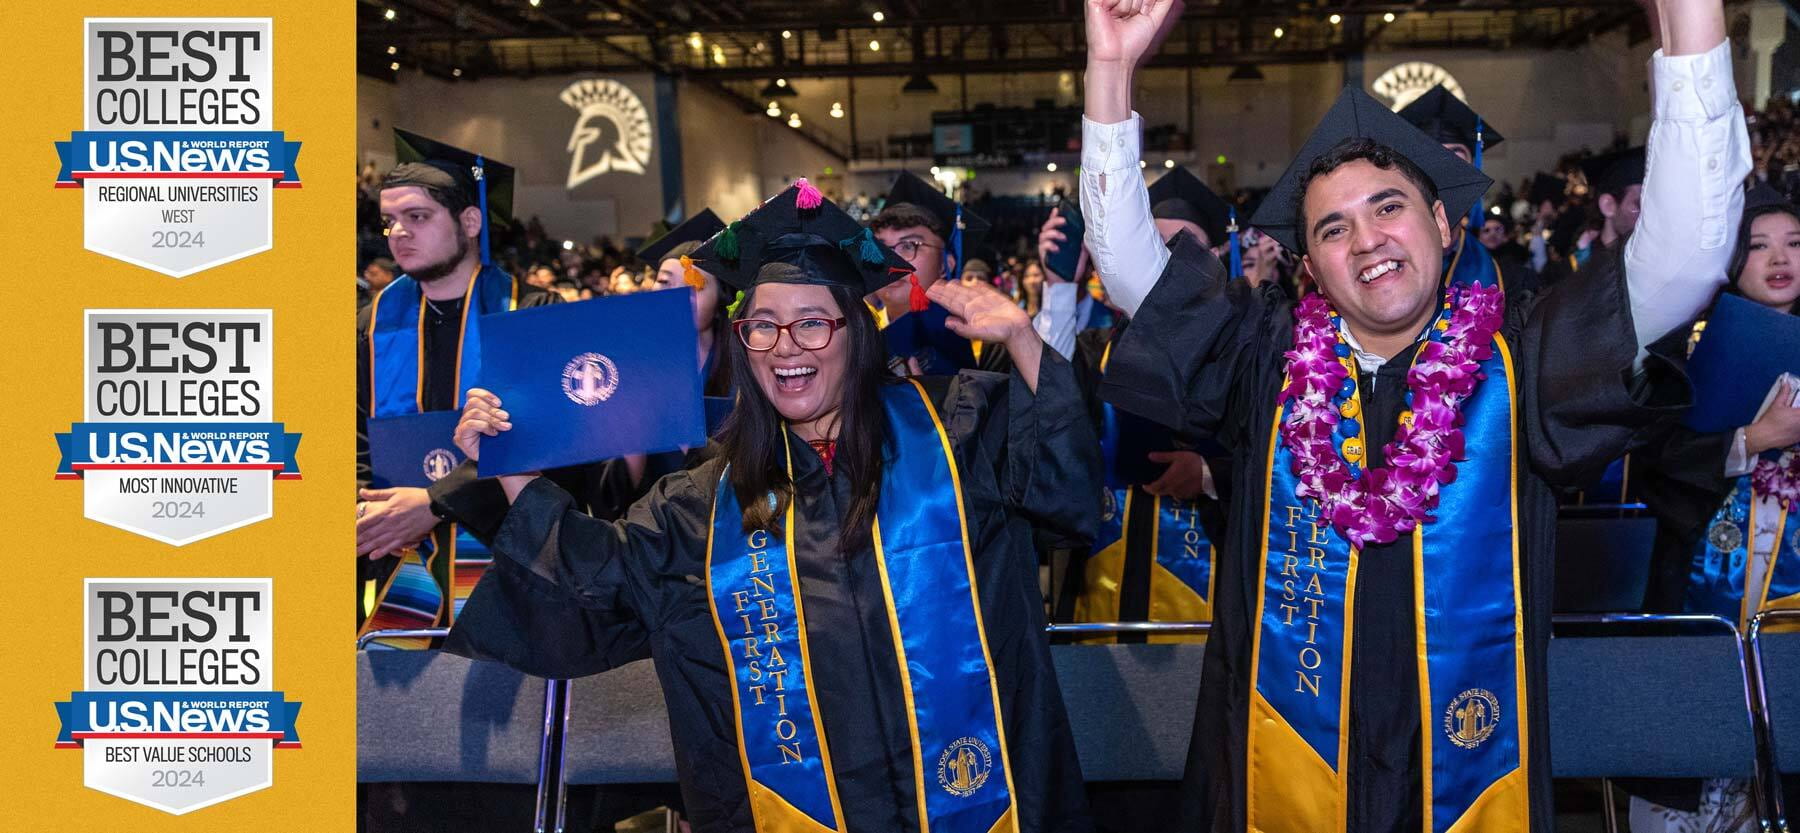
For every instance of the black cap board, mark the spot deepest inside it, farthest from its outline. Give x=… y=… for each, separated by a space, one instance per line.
x=1444 y=117
x=908 y=188
x=466 y=167
x=1357 y=116
x=1179 y=195
x=1612 y=173
x=695 y=229
x=781 y=242
x=1547 y=187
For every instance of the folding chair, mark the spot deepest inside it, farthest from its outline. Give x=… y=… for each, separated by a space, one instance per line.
x=1131 y=707
x=1775 y=670
x=615 y=731
x=1649 y=696
x=433 y=716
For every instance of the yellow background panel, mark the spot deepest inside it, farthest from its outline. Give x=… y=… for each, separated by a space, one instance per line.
x=306 y=548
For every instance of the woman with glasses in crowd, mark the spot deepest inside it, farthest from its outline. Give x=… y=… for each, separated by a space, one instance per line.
x=842 y=603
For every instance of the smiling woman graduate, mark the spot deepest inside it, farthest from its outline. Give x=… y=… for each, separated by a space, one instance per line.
x=842 y=602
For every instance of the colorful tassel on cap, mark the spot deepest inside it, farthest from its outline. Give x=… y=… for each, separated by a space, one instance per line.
x=916 y=299
x=727 y=247
x=865 y=247
x=692 y=275
x=732 y=308
x=808 y=196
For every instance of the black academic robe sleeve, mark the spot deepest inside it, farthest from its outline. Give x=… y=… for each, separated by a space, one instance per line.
x=570 y=595
x=1587 y=404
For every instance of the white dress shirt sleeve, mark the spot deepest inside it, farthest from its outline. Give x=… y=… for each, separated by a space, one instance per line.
x=1056 y=322
x=1693 y=200
x=1738 y=461
x=1115 y=204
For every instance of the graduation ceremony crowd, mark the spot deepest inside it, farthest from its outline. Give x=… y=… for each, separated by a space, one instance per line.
x=1336 y=420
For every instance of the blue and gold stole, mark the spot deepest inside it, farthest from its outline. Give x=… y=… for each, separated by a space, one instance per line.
x=1180 y=556
x=416 y=592
x=1718 y=581
x=921 y=543
x=1471 y=655
x=1473 y=264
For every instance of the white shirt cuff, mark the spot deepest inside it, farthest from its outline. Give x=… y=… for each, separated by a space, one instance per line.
x=1110 y=148
x=1738 y=461
x=1692 y=87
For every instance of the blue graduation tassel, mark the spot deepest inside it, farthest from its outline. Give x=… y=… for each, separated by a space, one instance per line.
x=956 y=247
x=1475 y=218
x=487 y=256
x=866 y=248
x=1237 y=252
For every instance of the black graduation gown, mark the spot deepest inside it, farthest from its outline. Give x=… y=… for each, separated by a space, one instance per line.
x=1137 y=435
x=1025 y=460
x=1205 y=356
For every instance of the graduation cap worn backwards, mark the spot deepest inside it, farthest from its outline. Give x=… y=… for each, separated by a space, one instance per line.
x=1357 y=116
x=964 y=230
x=1444 y=117
x=1179 y=195
x=487 y=184
x=1612 y=173
x=798 y=236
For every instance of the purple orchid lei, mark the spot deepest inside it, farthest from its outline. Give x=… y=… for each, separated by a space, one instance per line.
x=1779 y=479
x=1383 y=503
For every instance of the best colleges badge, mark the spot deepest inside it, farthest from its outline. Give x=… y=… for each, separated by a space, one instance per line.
x=177 y=710
x=177 y=159
x=178 y=442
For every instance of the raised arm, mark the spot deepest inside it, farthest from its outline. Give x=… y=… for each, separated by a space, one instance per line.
x=1127 y=251
x=1698 y=156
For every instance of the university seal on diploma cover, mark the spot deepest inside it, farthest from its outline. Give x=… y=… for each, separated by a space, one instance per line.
x=178 y=441
x=177 y=159
x=177 y=710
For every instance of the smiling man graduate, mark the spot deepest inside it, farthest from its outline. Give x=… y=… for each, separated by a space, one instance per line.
x=1396 y=435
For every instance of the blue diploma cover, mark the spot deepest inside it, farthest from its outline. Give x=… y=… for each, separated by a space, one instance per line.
x=592 y=380
x=1743 y=350
x=413 y=450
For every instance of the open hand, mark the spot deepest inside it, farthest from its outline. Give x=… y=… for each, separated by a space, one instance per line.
x=979 y=313
x=390 y=520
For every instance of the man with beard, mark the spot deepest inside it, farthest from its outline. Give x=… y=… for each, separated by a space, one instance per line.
x=417 y=352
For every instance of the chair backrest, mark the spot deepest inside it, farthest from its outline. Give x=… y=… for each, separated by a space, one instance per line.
x=1602 y=564
x=1131 y=707
x=1649 y=707
x=432 y=716
x=618 y=729
x=1781 y=683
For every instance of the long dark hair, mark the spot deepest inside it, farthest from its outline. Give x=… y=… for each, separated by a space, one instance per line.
x=1741 y=254
x=751 y=439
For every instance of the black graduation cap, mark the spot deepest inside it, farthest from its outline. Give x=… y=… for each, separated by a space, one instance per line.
x=695 y=229
x=1179 y=195
x=1612 y=173
x=1357 y=116
x=1547 y=187
x=1763 y=195
x=1447 y=120
x=909 y=188
x=488 y=184
x=798 y=236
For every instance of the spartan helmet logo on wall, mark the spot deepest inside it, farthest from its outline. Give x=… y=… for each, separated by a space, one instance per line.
x=595 y=148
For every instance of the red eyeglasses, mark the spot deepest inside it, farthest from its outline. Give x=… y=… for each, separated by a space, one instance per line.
x=761 y=334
